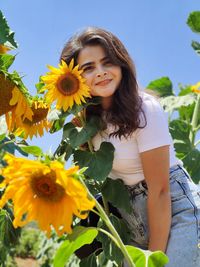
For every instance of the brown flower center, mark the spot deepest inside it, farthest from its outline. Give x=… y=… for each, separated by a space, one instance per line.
x=68 y=84
x=44 y=186
x=39 y=114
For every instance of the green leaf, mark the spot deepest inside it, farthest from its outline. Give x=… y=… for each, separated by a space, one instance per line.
x=162 y=86
x=196 y=47
x=6 y=35
x=80 y=236
x=191 y=163
x=33 y=150
x=8 y=234
x=111 y=251
x=89 y=261
x=2 y=137
x=76 y=136
x=171 y=103
x=146 y=258
x=193 y=21
x=180 y=131
x=64 y=148
x=99 y=163
x=112 y=189
x=6 y=61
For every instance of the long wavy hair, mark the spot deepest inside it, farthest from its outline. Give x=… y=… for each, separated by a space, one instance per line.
x=126 y=106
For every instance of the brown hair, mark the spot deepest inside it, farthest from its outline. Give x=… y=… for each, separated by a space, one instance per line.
x=126 y=105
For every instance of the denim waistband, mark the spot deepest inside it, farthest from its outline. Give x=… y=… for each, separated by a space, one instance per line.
x=142 y=186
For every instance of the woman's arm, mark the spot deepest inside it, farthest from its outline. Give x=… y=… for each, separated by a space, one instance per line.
x=155 y=164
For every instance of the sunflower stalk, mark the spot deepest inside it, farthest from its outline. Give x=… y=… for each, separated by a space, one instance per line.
x=115 y=236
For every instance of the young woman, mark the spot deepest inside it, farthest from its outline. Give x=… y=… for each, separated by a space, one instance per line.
x=165 y=201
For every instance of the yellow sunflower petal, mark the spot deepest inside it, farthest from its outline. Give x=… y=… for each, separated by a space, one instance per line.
x=43 y=193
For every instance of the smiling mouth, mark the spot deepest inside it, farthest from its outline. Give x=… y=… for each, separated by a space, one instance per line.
x=104 y=82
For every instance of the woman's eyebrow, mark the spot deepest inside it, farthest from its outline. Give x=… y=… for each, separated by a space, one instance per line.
x=86 y=64
x=92 y=63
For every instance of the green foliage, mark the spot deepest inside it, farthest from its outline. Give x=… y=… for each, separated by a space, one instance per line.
x=99 y=163
x=109 y=248
x=77 y=239
x=162 y=86
x=33 y=150
x=6 y=35
x=112 y=189
x=145 y=258
x=77 y=136
x=29 y=241
x=196 y=47
x=6 y=61
x=193 y=21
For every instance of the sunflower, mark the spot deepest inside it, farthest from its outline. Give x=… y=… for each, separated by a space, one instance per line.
x=14 y=101
x=6 y=87
x=4 y=49
x=65 y=85
x=38 y=122
x=47 y=194
x=196 y=88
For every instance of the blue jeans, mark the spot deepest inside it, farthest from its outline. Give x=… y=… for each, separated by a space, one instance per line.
x=183 y=247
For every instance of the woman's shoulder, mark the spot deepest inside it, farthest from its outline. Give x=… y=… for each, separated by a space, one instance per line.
x=150 y=102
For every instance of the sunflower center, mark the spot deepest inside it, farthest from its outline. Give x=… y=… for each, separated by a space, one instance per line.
x=68 y=84
x=45 y=186
x=39 y=114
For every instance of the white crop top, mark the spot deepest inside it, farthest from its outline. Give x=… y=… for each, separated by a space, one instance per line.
x=127 y=163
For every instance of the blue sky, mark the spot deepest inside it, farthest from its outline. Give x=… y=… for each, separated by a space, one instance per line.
x=154 y=32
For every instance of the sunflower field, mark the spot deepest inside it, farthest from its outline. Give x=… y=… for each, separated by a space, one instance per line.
x=61 y=216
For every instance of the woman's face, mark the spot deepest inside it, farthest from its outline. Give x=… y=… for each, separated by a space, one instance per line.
x=101 y=75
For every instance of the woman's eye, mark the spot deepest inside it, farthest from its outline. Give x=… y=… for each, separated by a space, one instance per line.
x=87 y=69
x=108 y=63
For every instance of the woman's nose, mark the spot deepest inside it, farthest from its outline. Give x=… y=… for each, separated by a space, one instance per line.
x=101 y=72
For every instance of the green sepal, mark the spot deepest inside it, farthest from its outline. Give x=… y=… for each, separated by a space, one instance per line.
x=6 y=35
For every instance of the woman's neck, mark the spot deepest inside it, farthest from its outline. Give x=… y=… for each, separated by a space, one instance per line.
x=106 y=102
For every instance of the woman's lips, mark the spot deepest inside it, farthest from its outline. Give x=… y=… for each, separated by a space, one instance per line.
x=104 y=82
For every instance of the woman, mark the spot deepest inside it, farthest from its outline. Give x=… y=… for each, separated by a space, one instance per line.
x=166 y=203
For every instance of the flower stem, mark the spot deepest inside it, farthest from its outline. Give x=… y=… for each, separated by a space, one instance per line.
x=194 y=122
x=112 y=229
x=115 y=234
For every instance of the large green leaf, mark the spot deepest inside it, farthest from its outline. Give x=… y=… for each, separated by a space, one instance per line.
x=99 y=163
x=196 y=47
x=193 y=21
x=112 y=189
x=171 y=103
x=180 y=131
x=77 y=239
x=162 y=86
x=6 y=35
x=146 y=258
x=76 y=136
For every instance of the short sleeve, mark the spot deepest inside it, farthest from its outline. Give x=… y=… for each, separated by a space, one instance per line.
x=156 y=132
